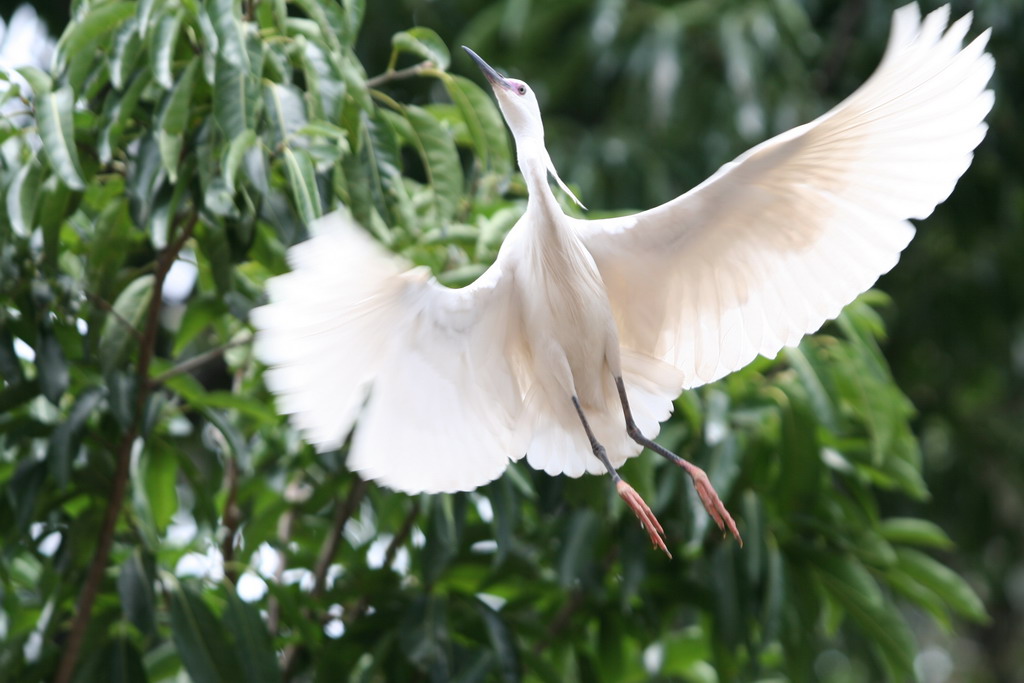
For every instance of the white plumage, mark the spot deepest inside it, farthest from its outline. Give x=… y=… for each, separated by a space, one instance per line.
x=458 y=382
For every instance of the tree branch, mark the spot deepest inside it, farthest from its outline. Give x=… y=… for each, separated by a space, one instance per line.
x=94 y=577
x=395 y=75
x=231 y=519
x=361 y=606
x=343 y=510
x=105 y=306
x=284 y=535
x=402 y=535
x=196 y=361
x=294 y=495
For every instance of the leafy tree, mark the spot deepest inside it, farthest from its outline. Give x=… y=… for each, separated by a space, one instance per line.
x=159 y=517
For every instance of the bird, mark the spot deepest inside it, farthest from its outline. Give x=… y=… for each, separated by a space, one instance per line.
x=570 y=349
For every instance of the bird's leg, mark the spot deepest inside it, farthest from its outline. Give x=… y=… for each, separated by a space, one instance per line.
x=637 y=504
x=708 y=495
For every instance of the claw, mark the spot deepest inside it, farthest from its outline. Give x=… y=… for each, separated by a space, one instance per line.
x=709 y=497
x=647 y=519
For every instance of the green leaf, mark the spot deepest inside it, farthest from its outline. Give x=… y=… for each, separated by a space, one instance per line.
x=286 y=113
x=423 y=42
x=118 y=662
x=820 y=401
x=503 y=499
x=441 y=543
x=22 y=197
x=135 y=589
x=325 y=86
x=159 y=472
x=801 y=474
x=578 y=547
x=161 y=52
x=335 y=134
x=328 y=19
x=173 y=119
x=235 y=98
x=121 y=395
x=67 y=436
x=436 y=148
x=52 y=366
x=233 y=157
x=354 y=75
x=211 y=44
x=117 y=110
x=354 y=10
x=57 y=130
x=252 y=642
x=143 y=15
x=146 y=180
x=202 y=645
x=40 y=81
x=932 y=574
x=382 y=164
x=77 y=41
x=52 y=208
x=224 y=14
x=10 y=364
x=913 y=531
x=201 y=313
x=125 y=54
x=920 y=595
x=502 y=641
x=484 y=122
x=124 y=322
x=853 y=587
x=214 y=247
x=302 y=181
x=196 y=396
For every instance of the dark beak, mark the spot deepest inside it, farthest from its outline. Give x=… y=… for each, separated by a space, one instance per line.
x=493 y=77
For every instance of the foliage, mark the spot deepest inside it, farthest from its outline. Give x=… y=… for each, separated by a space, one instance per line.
x=157 y=515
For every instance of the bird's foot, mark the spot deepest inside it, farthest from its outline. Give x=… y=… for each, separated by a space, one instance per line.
x=643 y=512
x=712 y=503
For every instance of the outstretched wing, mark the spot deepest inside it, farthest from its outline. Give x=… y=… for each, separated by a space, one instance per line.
x=779 y=240
x=352 y=321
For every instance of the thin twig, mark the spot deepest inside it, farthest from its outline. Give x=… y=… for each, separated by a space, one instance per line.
x=232 y=518
x=363 y=603
x=105 y=306
x=147 y=347
x=284 y=536
x=196 y=361
x=565 y=614
x=398 y=74
x=402 y=535
x=343 y=511
x=560 y=620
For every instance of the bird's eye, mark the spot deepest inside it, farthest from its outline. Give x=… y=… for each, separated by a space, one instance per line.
x=521 y=90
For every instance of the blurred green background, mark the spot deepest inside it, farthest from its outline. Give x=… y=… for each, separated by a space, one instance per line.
x=642 y=100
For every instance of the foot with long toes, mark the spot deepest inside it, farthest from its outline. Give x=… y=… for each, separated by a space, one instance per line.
x=709 y=497
x=643 y=512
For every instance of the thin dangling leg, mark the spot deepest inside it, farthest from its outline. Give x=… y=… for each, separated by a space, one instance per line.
x=626 y=492
x=712 y=503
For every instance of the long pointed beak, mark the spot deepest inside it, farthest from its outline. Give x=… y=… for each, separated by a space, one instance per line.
x=493 y=77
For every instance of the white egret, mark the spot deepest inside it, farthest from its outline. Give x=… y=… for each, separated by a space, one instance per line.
x=572 y=346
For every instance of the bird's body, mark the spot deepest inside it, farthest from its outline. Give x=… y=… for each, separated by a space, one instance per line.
x=572 y=346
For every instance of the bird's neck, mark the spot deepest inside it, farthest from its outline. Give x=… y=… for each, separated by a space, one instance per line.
x=534 y=163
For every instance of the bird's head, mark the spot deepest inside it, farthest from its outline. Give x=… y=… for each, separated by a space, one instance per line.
x=522 y=114
x=517 y=101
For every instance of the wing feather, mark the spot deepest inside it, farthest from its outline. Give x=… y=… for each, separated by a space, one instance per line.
x=353 y=332
x=779 y=240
